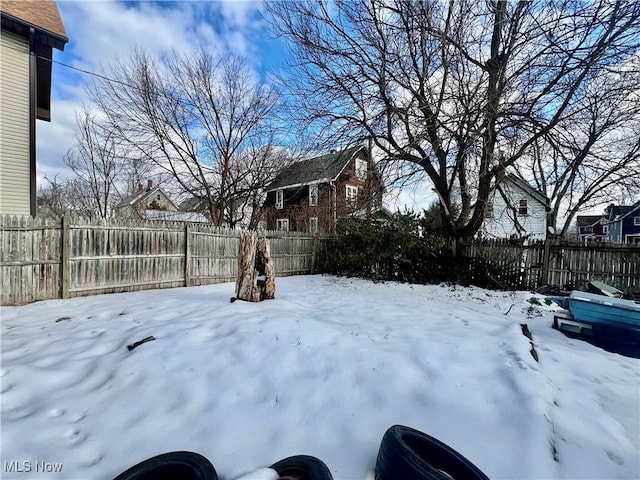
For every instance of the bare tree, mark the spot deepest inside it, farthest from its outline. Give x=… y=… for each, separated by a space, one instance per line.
x=204 y=119
x=593 y=156
x=72 y=195
x=96 y=162
x=447 y=85
x=51 y=198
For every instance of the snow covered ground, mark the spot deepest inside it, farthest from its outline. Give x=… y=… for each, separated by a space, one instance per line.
x=324 y=369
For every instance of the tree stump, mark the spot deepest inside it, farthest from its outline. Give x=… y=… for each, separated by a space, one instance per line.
x=256 y=280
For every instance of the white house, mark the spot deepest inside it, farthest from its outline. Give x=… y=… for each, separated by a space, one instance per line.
x=515 y=210
x=30 y=30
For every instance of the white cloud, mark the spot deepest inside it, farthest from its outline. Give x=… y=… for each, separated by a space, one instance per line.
x=55 y=138
x=100 y=32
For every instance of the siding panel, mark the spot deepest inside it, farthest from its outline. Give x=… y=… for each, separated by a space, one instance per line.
x=14 y=125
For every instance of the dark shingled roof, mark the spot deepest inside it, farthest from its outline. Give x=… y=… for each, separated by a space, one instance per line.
x=621 y=211
x=587 y=220
x=323 y=168
x=541 y=197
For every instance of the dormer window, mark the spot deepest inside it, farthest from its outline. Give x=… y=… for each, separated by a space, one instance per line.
x=636 y=221
x=361 y=168
x=279 y=199
x=313 y=195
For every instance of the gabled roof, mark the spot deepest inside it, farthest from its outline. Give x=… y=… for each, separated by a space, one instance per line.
x=43 y=15
x=588 y=220
x=532 y=192
x=140 y=195
x=635 y=208
x=194 y=204
x=325 y=168
x=618 y=212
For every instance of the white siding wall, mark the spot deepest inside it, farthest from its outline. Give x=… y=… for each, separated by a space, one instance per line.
x=14 y=125
x=502 y=224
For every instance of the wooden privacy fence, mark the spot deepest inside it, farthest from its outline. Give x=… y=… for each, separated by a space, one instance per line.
x=60 y=258
x=560 y=263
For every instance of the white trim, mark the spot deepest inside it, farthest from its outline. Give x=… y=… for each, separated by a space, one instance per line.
x=279 y=199
x=296 y=185
x=313 y=224
x=351 y=199
x=312 y=197
x=360 y=172
x=282 y=224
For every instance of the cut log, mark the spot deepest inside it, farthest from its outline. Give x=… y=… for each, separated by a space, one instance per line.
x=256 y=275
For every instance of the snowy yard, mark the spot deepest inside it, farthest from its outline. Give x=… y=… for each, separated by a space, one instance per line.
x=323 y=370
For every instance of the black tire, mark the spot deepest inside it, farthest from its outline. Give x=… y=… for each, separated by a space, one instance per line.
x=408 y=454
x=304 y=467
x=172 y=466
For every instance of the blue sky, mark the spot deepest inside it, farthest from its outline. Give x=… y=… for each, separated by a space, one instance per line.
x=101 y=31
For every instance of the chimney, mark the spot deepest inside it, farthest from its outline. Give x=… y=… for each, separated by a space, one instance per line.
x=139 y=187
x=149 y=185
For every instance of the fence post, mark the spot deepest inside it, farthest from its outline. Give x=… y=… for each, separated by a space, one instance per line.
x=187 y=256
x=65 y=273
x=545 y=262
x=314 y=253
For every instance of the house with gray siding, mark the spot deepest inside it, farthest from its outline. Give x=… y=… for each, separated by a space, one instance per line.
x=30 y=32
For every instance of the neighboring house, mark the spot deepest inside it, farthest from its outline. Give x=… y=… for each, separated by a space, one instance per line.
x=200 y=205
x=144 y=203
x=315 y=195
x=624 y=223
x=30 y=32
x=592 y=228
x=516 y=210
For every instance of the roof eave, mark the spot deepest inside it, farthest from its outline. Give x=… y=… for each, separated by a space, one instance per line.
x=52 y=39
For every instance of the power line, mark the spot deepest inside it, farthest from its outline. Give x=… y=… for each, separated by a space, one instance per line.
x=87 y=72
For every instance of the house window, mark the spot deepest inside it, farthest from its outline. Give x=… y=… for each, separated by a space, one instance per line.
x=313 y=195
x=282 y=225
x=636 y=221
x=313 y=224
x=352 y=195
x=605 y=229
x=279 y=199
x=488 y=213
x=361 y=168
x=522 y=208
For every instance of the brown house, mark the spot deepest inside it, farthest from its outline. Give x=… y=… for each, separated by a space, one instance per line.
x=321 y=193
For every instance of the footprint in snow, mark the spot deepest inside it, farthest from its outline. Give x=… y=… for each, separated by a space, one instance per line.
x=75 y=436
x=614 y=458
x=56 y=412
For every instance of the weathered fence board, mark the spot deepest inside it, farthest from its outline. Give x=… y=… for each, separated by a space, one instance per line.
x=60 y=258
x=67 y=257
x=29 y=259
x=560 y=263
